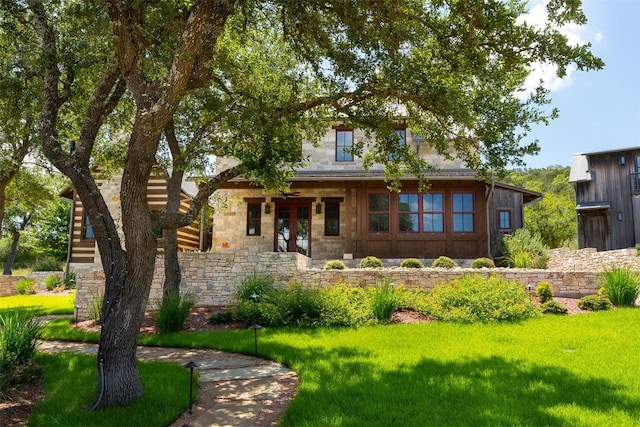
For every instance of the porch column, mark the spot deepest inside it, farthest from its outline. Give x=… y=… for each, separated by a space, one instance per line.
x=348 y=254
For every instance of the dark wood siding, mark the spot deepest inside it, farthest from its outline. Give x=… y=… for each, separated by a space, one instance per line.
x=395 y=244
x=611 y=183
x=503 y=199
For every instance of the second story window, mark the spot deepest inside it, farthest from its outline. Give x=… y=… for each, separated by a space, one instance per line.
x=401 y=140
x=87 y=228
x=344 y=145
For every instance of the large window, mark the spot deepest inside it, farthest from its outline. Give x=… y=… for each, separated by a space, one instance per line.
x=401 y=136
x=433 y=213
x=463 y=213
x=504 y=220
x=332 y=219
x=344 y=145
x=254 y=218
x=408 y=213
x=378 y=211
x=87 y=229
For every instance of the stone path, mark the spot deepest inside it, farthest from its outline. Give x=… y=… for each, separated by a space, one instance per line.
x=235 y=388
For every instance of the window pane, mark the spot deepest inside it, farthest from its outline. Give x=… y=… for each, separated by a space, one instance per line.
x=463 y=223
x=408 y=223
x=378 y=202
x=408 y=202
x=433 y=223
x=254 y=213
x=378 y=223
x=432 y=202
x=88 y=228
x=344 y=145
x=505 y=219
x=332 y=219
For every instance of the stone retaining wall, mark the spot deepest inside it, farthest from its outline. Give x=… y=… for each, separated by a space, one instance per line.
x=212 y=277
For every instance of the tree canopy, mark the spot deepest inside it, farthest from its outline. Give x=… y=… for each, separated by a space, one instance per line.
x=258 y=77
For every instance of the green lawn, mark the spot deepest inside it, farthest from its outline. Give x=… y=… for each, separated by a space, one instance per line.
x=45 y=304
x=556 y=370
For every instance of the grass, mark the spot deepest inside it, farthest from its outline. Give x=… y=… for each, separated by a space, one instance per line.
x=578 y=370
x=45 y=304
x=70 y=390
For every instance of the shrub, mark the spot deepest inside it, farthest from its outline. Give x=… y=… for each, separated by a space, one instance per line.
x=544 y=292
x=594 y=303
x=47 y=265
x=553 y=307
x=371 y=262
x=411 y=263
x=483 y=263
x=384 y=302
x=473 y=297
x=344 y=305
x=20 y=330
x=52 y=282
x=95 y=308
x=70 y=281
x=444 y=262
x=254 y=285
x=172 y=311
x=524 y=249
x=221 y=317
x=335 y=264
x=620 y=285
x=26 y=286
x=261 y=313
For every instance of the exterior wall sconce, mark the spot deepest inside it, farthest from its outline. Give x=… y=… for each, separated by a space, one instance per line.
x=619 y=216
x=318 y=208
x=622 y=160
x=267 y=208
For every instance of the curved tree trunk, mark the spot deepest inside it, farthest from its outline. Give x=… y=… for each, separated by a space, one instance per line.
x=172 y=273
x=15 y=239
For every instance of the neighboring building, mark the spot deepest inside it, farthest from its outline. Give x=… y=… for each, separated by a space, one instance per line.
x=607 y=185
x=336 y=209
x=82 y=245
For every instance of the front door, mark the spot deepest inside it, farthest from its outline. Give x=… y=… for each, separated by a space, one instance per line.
x=293 y=227
x=596 y=230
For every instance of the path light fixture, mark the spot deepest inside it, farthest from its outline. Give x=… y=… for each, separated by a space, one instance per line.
x=254 y=297
x=190 y=365
x=255 y=328
x=75 y=314
x=530 y=289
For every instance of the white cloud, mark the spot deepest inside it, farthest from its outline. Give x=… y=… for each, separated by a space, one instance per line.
x=576 y=35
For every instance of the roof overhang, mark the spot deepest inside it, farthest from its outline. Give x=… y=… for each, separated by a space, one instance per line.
x=592 y=206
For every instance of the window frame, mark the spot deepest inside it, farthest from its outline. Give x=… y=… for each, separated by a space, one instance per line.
x=463 y=213
x=256 y=221
x=349 y=157
x=87 y=226
x=509 y=220
x=379 y=213
x=328 y=218
x=409 y=213
x=441 y=213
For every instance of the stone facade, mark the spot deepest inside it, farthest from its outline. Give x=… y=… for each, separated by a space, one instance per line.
x=212 y=277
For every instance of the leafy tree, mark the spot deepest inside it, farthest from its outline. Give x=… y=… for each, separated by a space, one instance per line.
x=554 y=217
x=271 y=72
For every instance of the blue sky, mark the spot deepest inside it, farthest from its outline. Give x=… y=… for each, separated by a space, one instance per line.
x=599 y=110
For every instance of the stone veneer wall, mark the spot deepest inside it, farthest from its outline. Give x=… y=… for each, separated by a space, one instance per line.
x=212 y=277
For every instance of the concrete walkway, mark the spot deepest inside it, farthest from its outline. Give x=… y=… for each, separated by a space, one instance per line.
x=235 y=388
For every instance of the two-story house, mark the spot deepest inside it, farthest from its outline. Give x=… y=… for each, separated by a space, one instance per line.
x=337 y=209
x=607 y=185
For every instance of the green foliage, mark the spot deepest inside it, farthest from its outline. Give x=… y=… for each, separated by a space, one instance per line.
x=254 y=285
x=95 y=308
x=524 y=249
x=370 y=262
x=473 y=298
x=620 y=285
x=335 y=264
x=483 y=263
x=19 y=333
x=384 y=302
x=544 y=292
x=553 y=307
x=53 y=281
x=26 y=286
x=552 y=218
x=411 y=263
x=172 y=312
x=444 y=262
x=594 y=303
x=70 y=281
x=47 y=265
x=221 y=317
